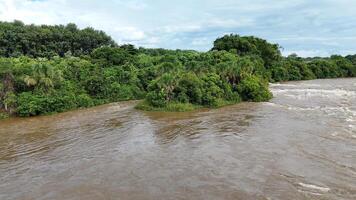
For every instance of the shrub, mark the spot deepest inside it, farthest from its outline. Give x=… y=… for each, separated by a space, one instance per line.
x=189 y=89
x=4 y=115
x=29 y=105
x=179 y=107
x=254 y=89
x=280 y=74
x=156 y=98
x=84 y=101
x=170 y=107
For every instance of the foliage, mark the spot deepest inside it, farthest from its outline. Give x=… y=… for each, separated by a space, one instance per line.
x=46 y=41
x=249 y=45
x=4 y=115
x=48 y=69
x=170 y=107
x=254 y=89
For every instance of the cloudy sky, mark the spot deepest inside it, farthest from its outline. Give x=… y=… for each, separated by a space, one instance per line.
x=306 y=27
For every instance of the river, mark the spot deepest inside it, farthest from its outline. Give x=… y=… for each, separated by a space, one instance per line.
x=300 y=145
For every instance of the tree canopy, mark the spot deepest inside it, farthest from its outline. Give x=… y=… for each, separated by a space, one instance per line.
x=249 y=45
x=17 y=39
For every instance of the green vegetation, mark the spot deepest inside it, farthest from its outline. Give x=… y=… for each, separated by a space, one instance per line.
x=49 y=69
x=3 y=115
x=170 y=107
x=18 y=39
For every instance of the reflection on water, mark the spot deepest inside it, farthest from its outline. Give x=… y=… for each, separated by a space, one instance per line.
x=301 y=145
x=193 y=125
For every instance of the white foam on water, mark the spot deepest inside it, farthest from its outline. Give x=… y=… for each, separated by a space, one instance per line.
x=343 y=113
x=350 y=120
x=312 y=193
x=281 y=84
x=347 y=112
x=310 y=85
x=352 y=130
x=325 y=100
x=335 y=134
x=315 y=187
x=270 y=104
x=289 y=107
x=302 y=109
x=273 y=104
x=315 y=92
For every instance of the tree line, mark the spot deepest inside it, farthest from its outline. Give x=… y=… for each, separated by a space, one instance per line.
x=49 y=69
x=18 y=39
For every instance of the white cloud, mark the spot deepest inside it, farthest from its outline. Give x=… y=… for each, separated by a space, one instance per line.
x=307 y=53
x=181 y=28
x=10 y=10
x=315 y=38
x=201 y=41
x=136 y=5
x=130 y=33
x=309 y=27
x=230 y=23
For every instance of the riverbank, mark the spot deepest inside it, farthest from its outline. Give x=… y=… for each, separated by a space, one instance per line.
x=171 y=107
x=3 y=114
x=181 y=107
x=77 y=113
x=137 y=104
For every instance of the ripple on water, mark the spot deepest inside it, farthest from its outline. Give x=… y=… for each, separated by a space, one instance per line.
x=235 y=152
x=314 y=187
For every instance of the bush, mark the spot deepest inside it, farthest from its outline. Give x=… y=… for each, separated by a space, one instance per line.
x=156 y=98
x=30 y=104
x=211 y=90
x=4 y=115
x=280 y=74
x=10 y=102
x=170 y=107
x=84 y=101
x=254 y=89
x=189 y=89
x=179 y=107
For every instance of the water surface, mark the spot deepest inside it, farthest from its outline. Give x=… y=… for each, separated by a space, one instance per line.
x=300 y=145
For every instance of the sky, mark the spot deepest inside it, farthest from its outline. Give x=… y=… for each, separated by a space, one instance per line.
x=305 y=27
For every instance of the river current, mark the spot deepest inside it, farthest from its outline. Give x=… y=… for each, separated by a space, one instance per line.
x=300 y=145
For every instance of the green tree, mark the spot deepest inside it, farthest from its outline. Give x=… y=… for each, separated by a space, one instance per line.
x=254 y=89
x=249 y=45
x=43 y=76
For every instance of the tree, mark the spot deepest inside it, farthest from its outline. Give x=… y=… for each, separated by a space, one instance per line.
x=249 y=45
x=345 y=65
x=7 y=84
x=255 y=89
x=18 y=39
x=43 y=76
x=107 y=56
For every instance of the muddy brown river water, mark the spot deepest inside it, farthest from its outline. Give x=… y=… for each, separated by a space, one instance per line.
x=300 y=145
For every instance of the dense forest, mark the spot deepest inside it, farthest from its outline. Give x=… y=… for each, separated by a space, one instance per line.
x=48 y=69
